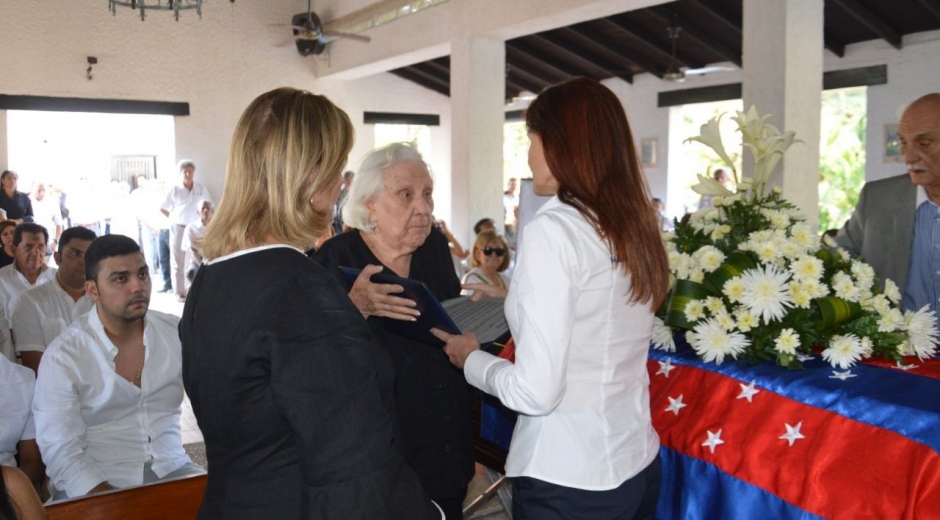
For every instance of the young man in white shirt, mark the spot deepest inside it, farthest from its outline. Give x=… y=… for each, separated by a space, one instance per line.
x=180 y=206
x=17 y=430
x=108 y=396
x=44 y=311
x=28 y=269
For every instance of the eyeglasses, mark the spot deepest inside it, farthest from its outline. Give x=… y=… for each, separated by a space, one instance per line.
x=488 y=251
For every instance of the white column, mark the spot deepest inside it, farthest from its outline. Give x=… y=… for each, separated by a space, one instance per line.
x=4 y=153
x=477 y=93
x=783 y=66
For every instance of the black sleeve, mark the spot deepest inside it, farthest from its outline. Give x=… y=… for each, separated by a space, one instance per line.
x=28 y=213
x=437 y=267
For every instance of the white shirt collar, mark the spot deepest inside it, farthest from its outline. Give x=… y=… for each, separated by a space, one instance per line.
x=236 y=254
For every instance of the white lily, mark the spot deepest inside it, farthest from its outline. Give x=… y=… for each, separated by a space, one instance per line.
x=710 y=136
x=709 y=186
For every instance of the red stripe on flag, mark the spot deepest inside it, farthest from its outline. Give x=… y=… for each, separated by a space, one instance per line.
x=929 y=368
x=842 y=469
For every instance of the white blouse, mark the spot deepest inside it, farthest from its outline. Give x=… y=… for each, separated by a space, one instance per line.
x=579 y=381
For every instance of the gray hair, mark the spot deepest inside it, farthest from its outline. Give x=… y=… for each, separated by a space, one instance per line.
x=185 y=163
x=369 y=181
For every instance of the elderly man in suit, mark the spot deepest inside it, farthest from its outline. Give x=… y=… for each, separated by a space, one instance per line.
x=896 y=225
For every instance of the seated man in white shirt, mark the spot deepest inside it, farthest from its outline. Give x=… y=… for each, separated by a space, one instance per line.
x=42 y=312
x=192 y=234
x=17 y=430
x=108 y=396
x=28 y=269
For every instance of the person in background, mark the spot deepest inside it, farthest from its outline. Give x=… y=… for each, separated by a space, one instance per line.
x=15 y=203
x=292 y=395
x=592 y=271
x=457 y=252
x=44 y=311
x=46 y=213
x=391 y=206
x=109 y=393
x=511 y=206
x=490 y=258
x=17 y=428
x=7 y=251
x=482 y=225
x=665 y=223
x=337 y=225
x=18 y=499
x=191 y=237
x=180 y=206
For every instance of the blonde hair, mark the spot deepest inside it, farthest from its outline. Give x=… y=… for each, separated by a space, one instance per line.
x=288 y=145
x=368 y=182
x=485 y=237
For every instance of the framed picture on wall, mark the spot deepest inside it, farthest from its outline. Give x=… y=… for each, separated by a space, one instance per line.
x=892 y=145
x=648 y=152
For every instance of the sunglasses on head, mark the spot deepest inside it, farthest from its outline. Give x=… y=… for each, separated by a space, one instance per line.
x=490 y=250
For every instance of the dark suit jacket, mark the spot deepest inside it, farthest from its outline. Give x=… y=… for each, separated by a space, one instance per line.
x=293 y=397
x=882 y=228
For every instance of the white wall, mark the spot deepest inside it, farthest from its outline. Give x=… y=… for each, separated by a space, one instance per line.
x=217 y=65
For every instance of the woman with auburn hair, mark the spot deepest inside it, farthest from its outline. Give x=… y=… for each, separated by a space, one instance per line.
x=293 y=397
x=591 y=272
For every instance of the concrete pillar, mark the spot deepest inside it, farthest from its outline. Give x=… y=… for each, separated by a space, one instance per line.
x=4 y=152
x=783 y=66
x=477 y=94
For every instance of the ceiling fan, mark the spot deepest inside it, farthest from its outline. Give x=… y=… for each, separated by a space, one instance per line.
x=310 y=36
x=677 y=74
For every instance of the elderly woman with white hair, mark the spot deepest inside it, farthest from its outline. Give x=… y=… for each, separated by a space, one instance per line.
x=390 y=210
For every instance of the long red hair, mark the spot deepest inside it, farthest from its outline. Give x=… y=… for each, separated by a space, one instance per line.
x=590 y=152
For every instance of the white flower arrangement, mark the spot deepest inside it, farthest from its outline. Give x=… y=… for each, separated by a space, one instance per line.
x=751 y=281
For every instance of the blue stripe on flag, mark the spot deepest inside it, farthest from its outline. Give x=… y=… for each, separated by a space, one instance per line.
x=697 y=490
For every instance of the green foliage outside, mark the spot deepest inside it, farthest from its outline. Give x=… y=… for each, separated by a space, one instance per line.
x=841 y=155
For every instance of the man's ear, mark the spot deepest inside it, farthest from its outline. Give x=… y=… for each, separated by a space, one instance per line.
x=57 y=257
x=91 y=289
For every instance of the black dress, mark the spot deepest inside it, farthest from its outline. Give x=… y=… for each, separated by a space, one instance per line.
x=18 y=206
x=5 y=259
x=434 y=400
x=292 y=396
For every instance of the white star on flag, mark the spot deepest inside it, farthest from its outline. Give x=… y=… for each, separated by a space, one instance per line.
x=793 y=433
x=842 y=375
x=747 y=392
x=675 y=405
x=803 y=358
x=902 y=366
x=714 y=439
x=665 y=367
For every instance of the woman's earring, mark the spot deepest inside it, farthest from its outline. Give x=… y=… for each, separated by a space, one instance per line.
x=373 y=224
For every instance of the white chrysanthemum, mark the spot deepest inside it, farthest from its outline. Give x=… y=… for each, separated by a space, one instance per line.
x=905 y=348
x=697 y=276
x=864 y=274
x=892 y=292
x=714 y=304
x=790 y=250
x=734 y=289
x=768 y=252
x=708 y=258
x=799 y=295
x=778 y=219
x=867 y=347
x=662 y=336
x=766 y=292
x=922 y=331
x=745 y=320
x=845 y=288
x=721 y=232
x=815 y=288
x=844 y=255
x=844 y=351
x=725 y=320
x=891 y=321
x=807 y=268
x=682 y=266
x=803 y=236
x=694 y=310
x=829 y=241
x=787 y=341
x=712 y=342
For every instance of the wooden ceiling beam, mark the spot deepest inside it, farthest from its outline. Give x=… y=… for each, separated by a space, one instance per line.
x=875 y=23
x=644 y=36
x=731 y=22
x=647 y=65
x=552 y=40
x=425 y=80
x=430 y=70
x=535 y=68
x=525 y=80
x=665 y=15
x=931 y=6
x=539 y=55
